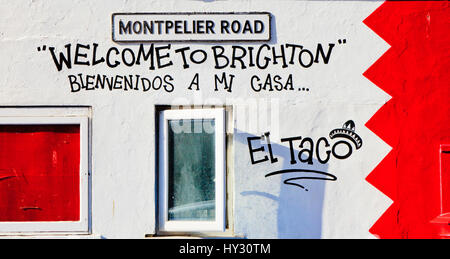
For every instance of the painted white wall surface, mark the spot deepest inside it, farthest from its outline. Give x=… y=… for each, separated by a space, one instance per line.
x=123 y=122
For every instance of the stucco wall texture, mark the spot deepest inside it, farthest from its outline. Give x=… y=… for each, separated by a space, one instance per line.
x=409 y=83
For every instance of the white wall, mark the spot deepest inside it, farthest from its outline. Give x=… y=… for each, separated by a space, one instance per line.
x=123 y=136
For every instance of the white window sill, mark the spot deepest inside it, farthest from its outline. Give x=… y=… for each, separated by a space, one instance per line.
x=49 y=236
x=227 y=235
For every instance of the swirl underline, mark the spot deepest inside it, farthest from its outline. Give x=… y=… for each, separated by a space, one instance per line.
x=288 y=181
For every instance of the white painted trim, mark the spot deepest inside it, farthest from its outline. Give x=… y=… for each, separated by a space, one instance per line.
x=193 y=226
x=81 y=226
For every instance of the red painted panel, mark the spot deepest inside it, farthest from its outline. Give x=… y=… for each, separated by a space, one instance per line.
x=39 y=173
x=445 y=178
x=416 y=121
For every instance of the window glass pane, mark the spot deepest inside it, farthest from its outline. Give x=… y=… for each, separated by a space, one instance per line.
x=191 y=158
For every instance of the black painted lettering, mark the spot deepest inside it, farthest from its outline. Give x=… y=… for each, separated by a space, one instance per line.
x=90 y=82
x=258 y=57
x=236 y=26
x=63 y=59
x=320 y=52
x=218 y=56
x=146 y=55
x=124 y=28
x=160 y=57
x=131 y=58
x=74 y=85
x=168 y=86
x=236 y=57
x=227 y=84
x=294 y=47
x=339 y=156
x=254 y=150
x=224 y=27
x=200 y=60
x=259 y=27
x=108 y=57
x=291 y=147
x=137 y=27
x=194 y=82
x=96 y=61
x=255 y=86
x=210 y=27
x=247 y=28
x=146 y=87
x=301 y=58
x=269 y=147
x=319 y=158
x=183 y=56
x=169 y=25
x=282 y=56
x=309 y=151
x=79 y=54
x=148 y=28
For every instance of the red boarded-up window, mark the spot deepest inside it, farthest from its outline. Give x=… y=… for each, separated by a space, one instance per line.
x=39 y=173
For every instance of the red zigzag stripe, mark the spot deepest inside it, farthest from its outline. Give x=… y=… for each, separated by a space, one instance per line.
x=414 y=71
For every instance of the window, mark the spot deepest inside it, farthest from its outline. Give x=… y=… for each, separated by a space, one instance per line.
x=442 y=221
x=192 y=170
x=445 y=179
x=43 y=173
